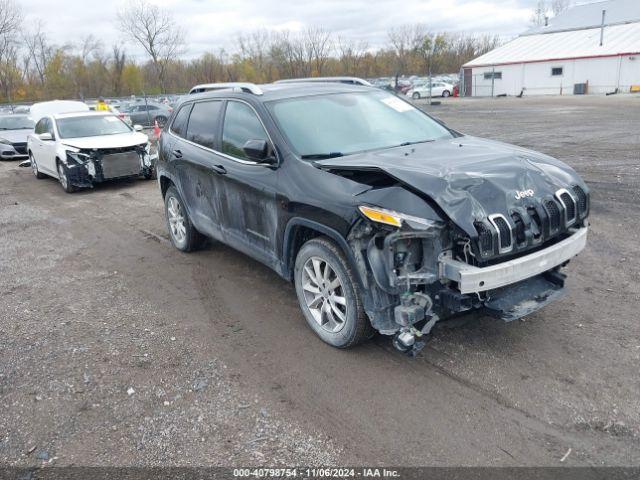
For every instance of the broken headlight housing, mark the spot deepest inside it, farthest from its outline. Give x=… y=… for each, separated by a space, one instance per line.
x=394 y=219
x=77 y=157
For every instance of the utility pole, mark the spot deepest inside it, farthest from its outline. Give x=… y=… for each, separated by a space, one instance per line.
x=493 y=80
x=604 y=12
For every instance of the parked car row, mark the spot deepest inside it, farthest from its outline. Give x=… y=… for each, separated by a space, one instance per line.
x=418 y=87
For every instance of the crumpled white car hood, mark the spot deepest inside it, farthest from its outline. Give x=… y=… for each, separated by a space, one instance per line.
x=107 y=141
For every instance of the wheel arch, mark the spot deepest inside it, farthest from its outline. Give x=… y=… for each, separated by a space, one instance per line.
x=300 y=230
x=165 y=183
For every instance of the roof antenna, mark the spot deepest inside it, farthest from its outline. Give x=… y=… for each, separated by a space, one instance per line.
x=604 y=12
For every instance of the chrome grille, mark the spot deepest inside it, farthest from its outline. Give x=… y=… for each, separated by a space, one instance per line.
x=485 y=239
x=553 y=212
x=582 y=201
x=568 y=204
x=505 y=240
x=520 y=234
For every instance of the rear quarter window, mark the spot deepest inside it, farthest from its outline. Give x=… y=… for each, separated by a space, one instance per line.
x=179 y=124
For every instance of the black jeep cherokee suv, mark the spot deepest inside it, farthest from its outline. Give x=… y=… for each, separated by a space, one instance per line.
x=384 y=219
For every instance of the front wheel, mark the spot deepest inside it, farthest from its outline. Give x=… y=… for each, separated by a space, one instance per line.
x=34 y=168
x=63 y=178
x=162 y=120
x=446 y=93
x=415 y=96
x=329 y=295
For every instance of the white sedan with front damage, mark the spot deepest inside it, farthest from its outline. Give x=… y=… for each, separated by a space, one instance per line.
x=83 y=148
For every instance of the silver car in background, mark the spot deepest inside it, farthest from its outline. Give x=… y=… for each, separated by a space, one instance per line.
x=14 y=130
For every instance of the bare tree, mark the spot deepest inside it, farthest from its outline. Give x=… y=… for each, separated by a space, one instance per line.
x=351 y=55
x=559 y=6
x=540 y=13
x=10 y=19
x=39 y=51
x=405 y=41
x=155 y=31
x=318 y=46
x=118 y=62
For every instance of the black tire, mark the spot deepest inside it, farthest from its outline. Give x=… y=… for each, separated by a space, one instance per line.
x=192 y=238
x=150 y=173
x=416 y=96
x=162 y=120
x=446 y=93
x=356 y=327
x=63 y=177
x=34 y=168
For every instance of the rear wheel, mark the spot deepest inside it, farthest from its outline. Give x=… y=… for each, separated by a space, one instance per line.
x=183 y=234
x=415 y=96
x=446 y=93
x=34 y=167
x=329 y=295
x=162 y=120
x=63 y=178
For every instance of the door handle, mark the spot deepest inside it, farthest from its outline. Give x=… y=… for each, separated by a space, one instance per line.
x=177 y=153
x=219 y=169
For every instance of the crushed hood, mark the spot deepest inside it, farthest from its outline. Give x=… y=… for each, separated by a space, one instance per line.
x=467 y=177
x=119 y=140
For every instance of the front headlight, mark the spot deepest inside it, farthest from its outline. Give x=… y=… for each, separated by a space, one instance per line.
x=5 y=141
x=395 y=219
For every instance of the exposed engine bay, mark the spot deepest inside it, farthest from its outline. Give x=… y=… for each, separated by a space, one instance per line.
x=426 y=271
x=89 y=166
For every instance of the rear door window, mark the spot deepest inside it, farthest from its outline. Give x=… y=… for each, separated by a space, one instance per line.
x=240 y=124
x=203 y=123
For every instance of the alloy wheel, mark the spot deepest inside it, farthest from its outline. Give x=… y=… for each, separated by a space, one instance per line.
x=62 y=176
x=176 y=219
x=324 y=294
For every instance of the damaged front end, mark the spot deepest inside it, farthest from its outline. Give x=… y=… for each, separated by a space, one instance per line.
x=418 y=271
x=88 y=166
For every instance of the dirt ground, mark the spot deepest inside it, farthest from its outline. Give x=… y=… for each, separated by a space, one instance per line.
x=116 y=349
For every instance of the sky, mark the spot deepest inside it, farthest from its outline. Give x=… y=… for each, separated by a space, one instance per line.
x=214 y=24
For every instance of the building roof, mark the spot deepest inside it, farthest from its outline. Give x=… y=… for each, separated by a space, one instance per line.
x=574 y=34
x=590 y=16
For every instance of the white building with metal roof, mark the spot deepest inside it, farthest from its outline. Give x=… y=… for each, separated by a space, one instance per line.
x=592 y=48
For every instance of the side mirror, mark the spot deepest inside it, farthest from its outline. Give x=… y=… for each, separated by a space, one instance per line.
x=46 y=136
x=137 y=128
x=258 y=151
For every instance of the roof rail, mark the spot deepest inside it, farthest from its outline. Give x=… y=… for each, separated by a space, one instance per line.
x=347 y=80
x=233 y=86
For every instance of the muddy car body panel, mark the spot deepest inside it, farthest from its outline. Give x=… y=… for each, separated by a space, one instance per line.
x=458 y=210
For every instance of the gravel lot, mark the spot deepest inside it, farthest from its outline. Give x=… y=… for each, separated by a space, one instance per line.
x=119 y=350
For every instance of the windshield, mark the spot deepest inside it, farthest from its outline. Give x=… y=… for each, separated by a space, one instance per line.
x=16 y=123
x=345 y=123
x=77 y=127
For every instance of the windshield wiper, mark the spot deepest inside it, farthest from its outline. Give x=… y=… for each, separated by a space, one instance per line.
x=321 y=156
x=405 y=144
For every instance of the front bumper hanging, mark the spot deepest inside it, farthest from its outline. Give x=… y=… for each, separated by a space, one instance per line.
x=473 y=279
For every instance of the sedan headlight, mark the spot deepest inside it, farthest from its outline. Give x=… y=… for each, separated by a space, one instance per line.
x=5 y=141
x=395 y=219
